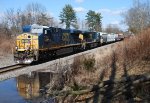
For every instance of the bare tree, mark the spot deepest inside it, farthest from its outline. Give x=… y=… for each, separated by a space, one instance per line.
x=138 y=17
x=44 y=19
x=37 y=13
x=33 y=10
x=112 y=28
x=33 y=13
x=12 y=21
x=4 y=32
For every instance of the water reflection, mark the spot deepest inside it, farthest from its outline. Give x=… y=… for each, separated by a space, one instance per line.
x=31 y=86
x=9 y=93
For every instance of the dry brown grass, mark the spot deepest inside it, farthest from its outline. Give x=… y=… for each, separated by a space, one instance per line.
x=124 y=59
x=6 y=46
x=130 y=57
x=84 y=65
x=134 y=54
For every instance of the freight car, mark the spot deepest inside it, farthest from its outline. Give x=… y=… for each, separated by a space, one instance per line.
x=42 y=42
x=108 y=37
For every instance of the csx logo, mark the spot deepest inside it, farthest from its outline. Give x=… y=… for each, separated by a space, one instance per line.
x=65 y=37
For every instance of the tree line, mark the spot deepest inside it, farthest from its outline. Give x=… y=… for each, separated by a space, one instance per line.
x=13 y=20
x=137 y=18
x=35 y=13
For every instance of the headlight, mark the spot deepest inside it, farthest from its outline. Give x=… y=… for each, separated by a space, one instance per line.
x=16 y=48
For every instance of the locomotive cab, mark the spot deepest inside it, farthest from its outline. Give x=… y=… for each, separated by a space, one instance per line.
x=26 y=48
x=28 y=45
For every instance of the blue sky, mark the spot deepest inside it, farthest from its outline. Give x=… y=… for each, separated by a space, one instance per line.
x=110 y=9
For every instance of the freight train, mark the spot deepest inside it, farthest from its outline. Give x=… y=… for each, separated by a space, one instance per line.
x=43 y=42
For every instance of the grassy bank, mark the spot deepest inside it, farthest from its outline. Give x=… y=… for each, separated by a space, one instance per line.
x=127 y=59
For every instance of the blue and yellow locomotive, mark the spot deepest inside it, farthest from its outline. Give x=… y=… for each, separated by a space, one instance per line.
x=41 y=42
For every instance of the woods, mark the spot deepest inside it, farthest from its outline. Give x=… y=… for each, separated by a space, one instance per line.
x=35 y=13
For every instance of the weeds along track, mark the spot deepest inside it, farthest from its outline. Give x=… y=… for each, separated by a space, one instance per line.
x=11 y=68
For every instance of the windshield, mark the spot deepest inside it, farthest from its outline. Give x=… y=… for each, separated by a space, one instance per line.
x=25 y=40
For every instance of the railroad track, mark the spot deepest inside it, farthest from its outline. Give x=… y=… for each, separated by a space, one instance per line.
x=11 y=67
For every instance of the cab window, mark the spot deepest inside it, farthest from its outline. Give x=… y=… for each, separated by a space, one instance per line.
x=25 y=41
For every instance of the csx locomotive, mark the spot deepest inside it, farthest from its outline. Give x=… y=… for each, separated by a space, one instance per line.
x=42 y=42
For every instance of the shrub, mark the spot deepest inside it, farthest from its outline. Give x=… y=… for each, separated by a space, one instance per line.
x=89 y=63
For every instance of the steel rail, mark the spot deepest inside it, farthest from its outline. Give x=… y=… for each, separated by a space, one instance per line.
x=11 y=67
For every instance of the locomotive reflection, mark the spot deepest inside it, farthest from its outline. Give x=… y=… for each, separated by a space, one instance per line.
x=29 y=86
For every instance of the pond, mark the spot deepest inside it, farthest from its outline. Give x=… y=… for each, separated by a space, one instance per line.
x=29 y=88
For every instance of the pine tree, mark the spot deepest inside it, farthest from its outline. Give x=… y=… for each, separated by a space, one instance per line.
x=94 y=20
x=68 y=16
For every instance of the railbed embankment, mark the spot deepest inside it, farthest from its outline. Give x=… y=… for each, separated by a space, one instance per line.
x=58 y=64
